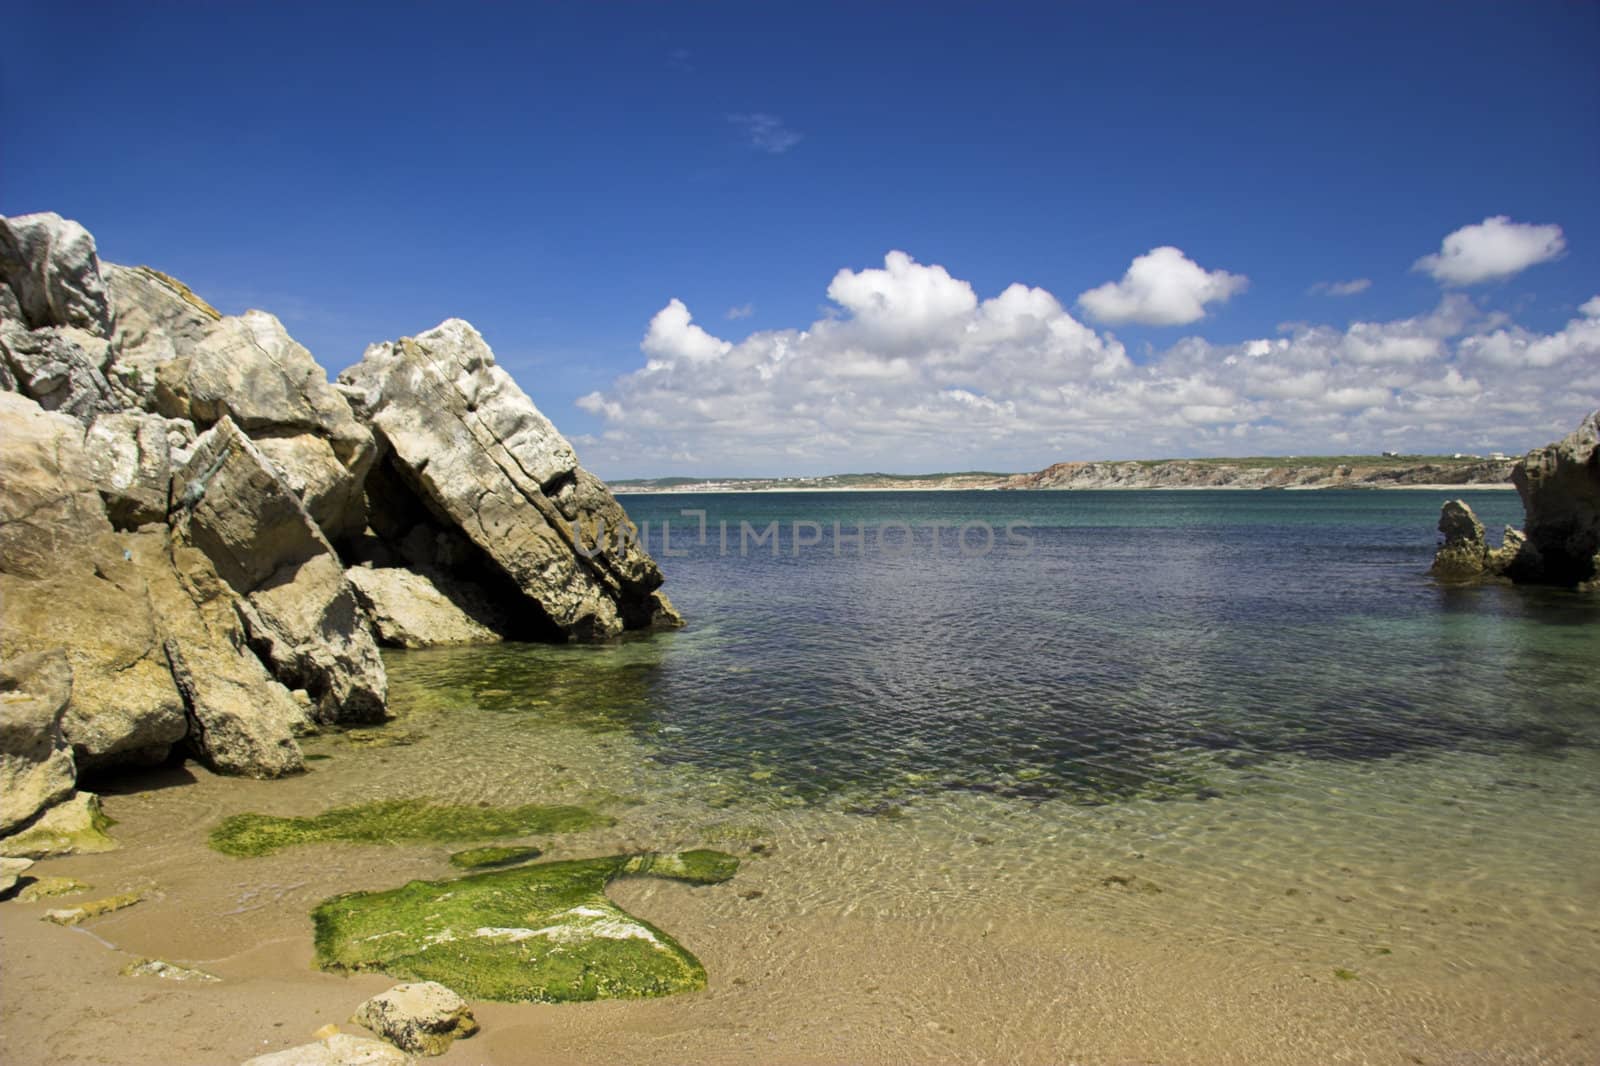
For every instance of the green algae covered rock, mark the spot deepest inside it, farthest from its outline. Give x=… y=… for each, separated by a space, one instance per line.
x=544 y=932
x=481 y=858
x=394 y=821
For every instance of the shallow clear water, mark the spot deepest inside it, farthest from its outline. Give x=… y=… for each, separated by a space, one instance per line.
x=1139 y=644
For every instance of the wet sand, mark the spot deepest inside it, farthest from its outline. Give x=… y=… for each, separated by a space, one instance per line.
x=966 y=930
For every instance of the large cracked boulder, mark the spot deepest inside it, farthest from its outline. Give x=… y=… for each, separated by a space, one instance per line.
x=1463 y=554
x=36 y=767
x=247 y=368
x=157 y=316
x=51 y=266
x=132 y=455
x=58 y=590
x=1560 y=489
x=482 y=459
x=301 y=614
x=408 y=610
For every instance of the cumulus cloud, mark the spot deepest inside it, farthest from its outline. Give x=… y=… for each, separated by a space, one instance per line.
x=1163 y=287
x=765 y=132
x=1494 y=248
x=741 y=311
x=911 y=368
x=673 y=335
x=1342 y=288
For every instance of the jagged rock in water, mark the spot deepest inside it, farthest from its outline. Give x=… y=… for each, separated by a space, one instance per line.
x=1463 y=554
x=408 y=610
x=1560 y=489
x=476 y=451
x=132 y=455
x=249 y=369
x=52 y=269
x=36 y=767
x=302 y=615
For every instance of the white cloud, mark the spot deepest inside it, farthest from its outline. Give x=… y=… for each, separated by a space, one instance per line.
x=1342 y=288
x=765 y=132
x=742 y=311
x=909 y=368
x=1494 y=248
x=673 y=335
x=1163 y=287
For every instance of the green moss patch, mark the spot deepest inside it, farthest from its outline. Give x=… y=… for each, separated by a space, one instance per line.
x=544 y=932
x=393 y=821
x=479 y=858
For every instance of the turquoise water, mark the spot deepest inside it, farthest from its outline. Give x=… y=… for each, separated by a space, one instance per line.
x=1116 y=645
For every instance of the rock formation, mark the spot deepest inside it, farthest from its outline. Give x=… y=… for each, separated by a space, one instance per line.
x=1560 y=541
x=459 y=437
x=181 y=493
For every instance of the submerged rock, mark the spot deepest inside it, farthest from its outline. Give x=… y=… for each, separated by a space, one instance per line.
x=423 y=1017
x=93 y=909
x=481 y=858
x=391 y=821
x=50 y=887
x=336 y=1049
x=167 y=971
x=473 y=448
x=544 y=932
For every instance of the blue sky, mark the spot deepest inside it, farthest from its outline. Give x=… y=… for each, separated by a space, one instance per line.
x=557 y=175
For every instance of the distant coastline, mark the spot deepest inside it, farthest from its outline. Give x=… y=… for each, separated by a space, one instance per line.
x=1420 y=472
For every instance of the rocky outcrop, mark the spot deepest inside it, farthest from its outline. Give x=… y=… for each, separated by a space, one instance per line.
x=60 y=367
x=408 y=610
x=176 y=489
x=249 y=369
x=1560 y=542
x=132 y=455
x=422 y=1017
x=156 y=318
x=1560 y=489
x=472 y=447
x=36 y=767
x=300 y=612
x=51 y=266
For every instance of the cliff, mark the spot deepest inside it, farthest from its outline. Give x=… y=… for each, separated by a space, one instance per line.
x=204 y=540
x=1350 y=472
